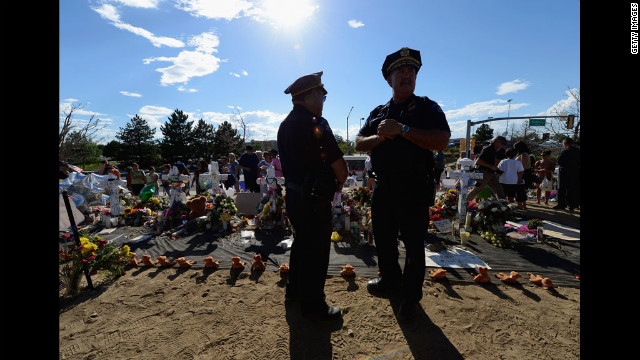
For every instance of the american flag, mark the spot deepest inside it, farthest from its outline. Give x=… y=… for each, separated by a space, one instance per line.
x=75 y=168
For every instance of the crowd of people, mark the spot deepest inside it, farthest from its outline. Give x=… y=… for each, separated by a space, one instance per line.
x=510 y=173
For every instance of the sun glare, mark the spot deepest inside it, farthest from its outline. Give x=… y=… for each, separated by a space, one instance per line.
x=288 y=13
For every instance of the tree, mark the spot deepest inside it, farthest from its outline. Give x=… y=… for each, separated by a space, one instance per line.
x=82 y=150
x=243 y=125
x=557 y=127
x=112 y=149
x=483 y=133
x=176 y=141
x=137 y=144
x=227 y=140
x=203 y=139
x=86 y=133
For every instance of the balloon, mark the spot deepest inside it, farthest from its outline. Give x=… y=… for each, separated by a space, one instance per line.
x=147 y=192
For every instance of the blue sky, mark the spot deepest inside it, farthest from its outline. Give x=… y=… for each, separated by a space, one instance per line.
x=216 y=58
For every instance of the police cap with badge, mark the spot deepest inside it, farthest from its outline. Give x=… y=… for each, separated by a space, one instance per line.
x=306 y=83
x=402 y=57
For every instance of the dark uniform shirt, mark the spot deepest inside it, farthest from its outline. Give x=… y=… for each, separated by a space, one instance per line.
x=306 y=145
x=400 y=157
x=488 y=155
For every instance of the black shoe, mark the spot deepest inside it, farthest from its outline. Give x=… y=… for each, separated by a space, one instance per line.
x=331 y=313
x=377 y=285
x=406 y=310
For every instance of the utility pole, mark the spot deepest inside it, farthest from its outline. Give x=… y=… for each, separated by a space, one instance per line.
x=348 y=153
x=506 y=131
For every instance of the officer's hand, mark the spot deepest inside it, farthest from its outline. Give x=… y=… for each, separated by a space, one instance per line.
x=389 y=128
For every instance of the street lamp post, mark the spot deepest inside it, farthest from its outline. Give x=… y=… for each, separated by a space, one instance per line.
x=348 y=153
x=506 y=132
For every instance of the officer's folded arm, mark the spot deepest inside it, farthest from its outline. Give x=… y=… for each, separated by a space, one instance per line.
x=366 y=143
x=428 y=139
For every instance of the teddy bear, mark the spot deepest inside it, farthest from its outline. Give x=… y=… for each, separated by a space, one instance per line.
x=483 y=276
x=348 y=270
x=197 y=206
x=284 y=269
x=437 y=274
x=209 y=263
x=146 y=260
x=236 y=263
x=258 y=264
x=164 y=262
x=184 y=262
x=512 y=278
x=539 y=280
x=133 y=260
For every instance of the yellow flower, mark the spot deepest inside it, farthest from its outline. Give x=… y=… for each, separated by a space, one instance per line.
x=125 y=250
x=89 y=247
x=84 y=240
x=127 y=210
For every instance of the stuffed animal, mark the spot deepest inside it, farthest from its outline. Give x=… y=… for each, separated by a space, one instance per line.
x=437 y=274
x=146 y=260
x=164 y=262
x=512 y=278
x=284 y=269
x=197 y=206
x=236 y=263
x=209 y=263
x=258 y=264
x=348 y=270
x=483 y=276
x=546 y=283
x=184 y=263
x=133 y=260
x=537 y=279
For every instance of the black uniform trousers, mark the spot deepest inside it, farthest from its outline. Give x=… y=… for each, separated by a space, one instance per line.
x=404 y=207
x=309 y=257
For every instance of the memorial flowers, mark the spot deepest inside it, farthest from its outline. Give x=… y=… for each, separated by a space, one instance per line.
x=493 y=214
x=446 y=207
x=95 y=253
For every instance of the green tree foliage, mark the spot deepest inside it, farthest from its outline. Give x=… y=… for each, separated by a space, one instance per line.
x=176 y=143
x=112 y=149
x=203 y=139
x=81 y=149
x=227 y=140
x=483 y=133
x=137 y=144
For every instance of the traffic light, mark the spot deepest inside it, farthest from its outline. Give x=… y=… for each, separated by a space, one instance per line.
x=472 y=144
x=570 y=119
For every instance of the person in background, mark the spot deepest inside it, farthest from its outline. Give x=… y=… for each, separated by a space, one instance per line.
x=487 y=163
x=63 y=173
x=248 y=162
x=129 y=170
x=152 y=178
x=544 y=169
x=234 y=177
x=511 y=177
x=569 y=176
x=183 y=170
x=203 y=167
x=110 y=169
x=263 y=165
x=166 y=185
x=275 y=162
x=137 y=179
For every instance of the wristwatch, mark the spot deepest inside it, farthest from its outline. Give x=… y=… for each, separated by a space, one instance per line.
x=405 y=130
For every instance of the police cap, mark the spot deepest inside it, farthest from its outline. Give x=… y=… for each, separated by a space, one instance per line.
x=305 y=83
x=402 y=57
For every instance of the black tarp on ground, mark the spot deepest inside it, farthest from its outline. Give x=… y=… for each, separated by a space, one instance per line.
x=560 y=265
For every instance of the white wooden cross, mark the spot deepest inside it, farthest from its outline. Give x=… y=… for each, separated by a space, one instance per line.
x=114 y=184
x=464 y=175
x=214 y=178
x=176 y=181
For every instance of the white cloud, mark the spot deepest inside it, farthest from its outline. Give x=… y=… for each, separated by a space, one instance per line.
x=184 y=89
x=215 y=9
x=110 y=13
x=205 y=42
x=482 y=109
x=234 y=74
x=155 y=116
x=511 y=86
x=567 y=105
x=355 y=23
x=126 y=93
x=147 y=4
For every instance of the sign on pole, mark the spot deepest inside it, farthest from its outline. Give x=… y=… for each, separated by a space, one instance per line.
x=537 y=122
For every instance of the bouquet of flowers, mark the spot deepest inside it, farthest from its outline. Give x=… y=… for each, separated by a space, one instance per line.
x=446 y=207
x=96 y=253
x=492 y=215
x=361 y=196
x=136 y=217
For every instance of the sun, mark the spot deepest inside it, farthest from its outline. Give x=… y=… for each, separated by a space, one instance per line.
x=288 y=13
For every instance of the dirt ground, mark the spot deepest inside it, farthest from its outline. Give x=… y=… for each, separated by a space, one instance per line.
x=218 y=314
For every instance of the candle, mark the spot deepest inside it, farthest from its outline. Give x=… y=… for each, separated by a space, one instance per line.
x=464 y=237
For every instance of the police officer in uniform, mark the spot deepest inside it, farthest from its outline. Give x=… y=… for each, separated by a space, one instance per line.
x=401 y=135
x=314 y=169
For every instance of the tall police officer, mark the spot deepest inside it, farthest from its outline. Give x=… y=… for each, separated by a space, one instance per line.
x=401 y=136
x=314 y=169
